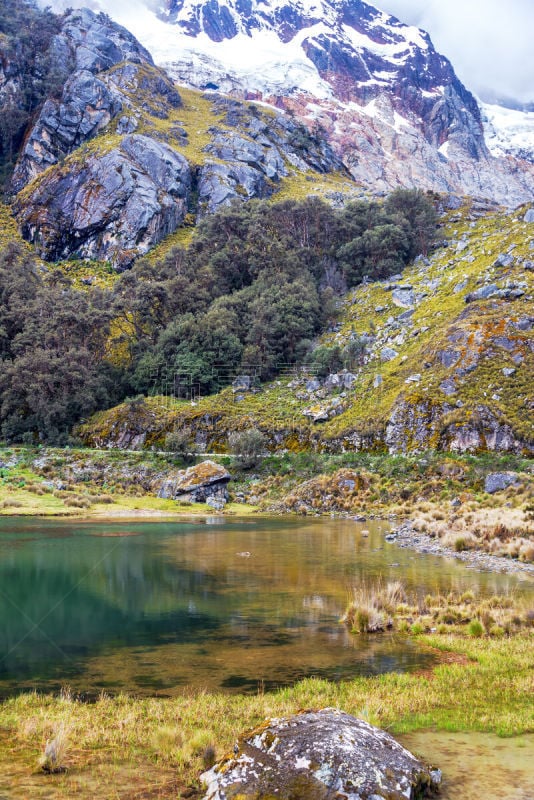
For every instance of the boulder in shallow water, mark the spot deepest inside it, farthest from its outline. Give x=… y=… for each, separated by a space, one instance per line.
x=320 y=755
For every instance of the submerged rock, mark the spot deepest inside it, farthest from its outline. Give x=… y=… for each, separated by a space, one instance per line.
x=320 y=755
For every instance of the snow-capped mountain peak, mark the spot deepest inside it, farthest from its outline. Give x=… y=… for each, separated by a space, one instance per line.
x=391 y=105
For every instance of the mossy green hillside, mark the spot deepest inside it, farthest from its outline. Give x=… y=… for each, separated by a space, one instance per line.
x=487 y=337
x=443 y=317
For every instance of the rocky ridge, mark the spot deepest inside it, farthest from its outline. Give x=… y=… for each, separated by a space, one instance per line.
x=108 y=169
x=392 y=107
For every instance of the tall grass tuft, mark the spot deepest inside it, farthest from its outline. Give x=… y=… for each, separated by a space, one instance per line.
x=52 y=760
x=371 y=607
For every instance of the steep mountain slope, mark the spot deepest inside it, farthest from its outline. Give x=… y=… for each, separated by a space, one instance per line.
x=115 y=161
x=391 y=106
x=509 y=131
x=444 y=360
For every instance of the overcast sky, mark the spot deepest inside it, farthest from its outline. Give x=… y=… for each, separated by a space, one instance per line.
x=490 y=42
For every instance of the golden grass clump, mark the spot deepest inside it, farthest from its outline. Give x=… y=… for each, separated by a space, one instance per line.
x=372 y=607
x=52 y=760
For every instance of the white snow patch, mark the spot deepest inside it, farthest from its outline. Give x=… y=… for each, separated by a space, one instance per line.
x=390 y=50
x=508 y=131
x=444 y=149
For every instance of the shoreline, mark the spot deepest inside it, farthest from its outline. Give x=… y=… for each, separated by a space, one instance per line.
x=405 y=536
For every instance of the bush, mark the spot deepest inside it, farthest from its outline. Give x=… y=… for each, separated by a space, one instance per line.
x=416 y=628
x=475 y=628
x=180 y=441
x=247 y=446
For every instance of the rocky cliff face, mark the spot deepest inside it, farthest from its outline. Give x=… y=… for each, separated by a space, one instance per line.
x=86 y=46
x=392 y=106
x=102 y=173
x=112 y=205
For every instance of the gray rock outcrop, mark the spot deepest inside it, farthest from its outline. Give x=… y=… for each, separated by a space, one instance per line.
x=88 y=45
x=112 y=206
x=250 y=162
x=498 y=481
x=320 y=755
x=207 y=481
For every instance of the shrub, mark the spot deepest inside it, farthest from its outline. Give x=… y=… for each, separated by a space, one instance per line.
x=180 y=441
x=247 y=446
x=416 y=628
x=475 y=628
x=526 y=553
x=467 y=597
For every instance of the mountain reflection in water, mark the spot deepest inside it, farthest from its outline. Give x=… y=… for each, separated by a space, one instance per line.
x=156 y=607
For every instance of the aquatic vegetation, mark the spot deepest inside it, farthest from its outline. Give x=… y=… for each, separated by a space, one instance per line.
x=375 y=607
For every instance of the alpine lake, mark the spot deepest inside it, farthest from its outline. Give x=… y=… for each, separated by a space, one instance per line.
x=228 y=605
x=156 y=608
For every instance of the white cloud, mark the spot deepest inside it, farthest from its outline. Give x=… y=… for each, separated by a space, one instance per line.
x=488 y=41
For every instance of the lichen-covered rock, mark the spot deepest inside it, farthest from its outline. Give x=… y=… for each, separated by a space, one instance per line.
x=480 y=431
x=112 y=206
x=323 y=412
x=498 y=481
x=404 y=297
x=414 y=425
x=197 y=483
x=320 y=755
x=243 y=383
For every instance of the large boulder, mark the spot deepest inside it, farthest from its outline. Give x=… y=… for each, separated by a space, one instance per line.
x=111 y=206
x=320 y=755
x=200 y=483
x=498 y=481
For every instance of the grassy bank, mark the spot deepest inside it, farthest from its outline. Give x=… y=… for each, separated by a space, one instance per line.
x=128 y=748
x=87 y=483
x=441 y=493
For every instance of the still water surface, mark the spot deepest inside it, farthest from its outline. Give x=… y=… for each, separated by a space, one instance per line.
x=236 y=605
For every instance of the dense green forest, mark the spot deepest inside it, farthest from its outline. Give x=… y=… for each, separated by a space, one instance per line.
x=257 y=285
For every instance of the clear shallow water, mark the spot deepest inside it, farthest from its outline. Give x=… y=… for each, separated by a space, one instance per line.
x=159 y=607
x=478 y=765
